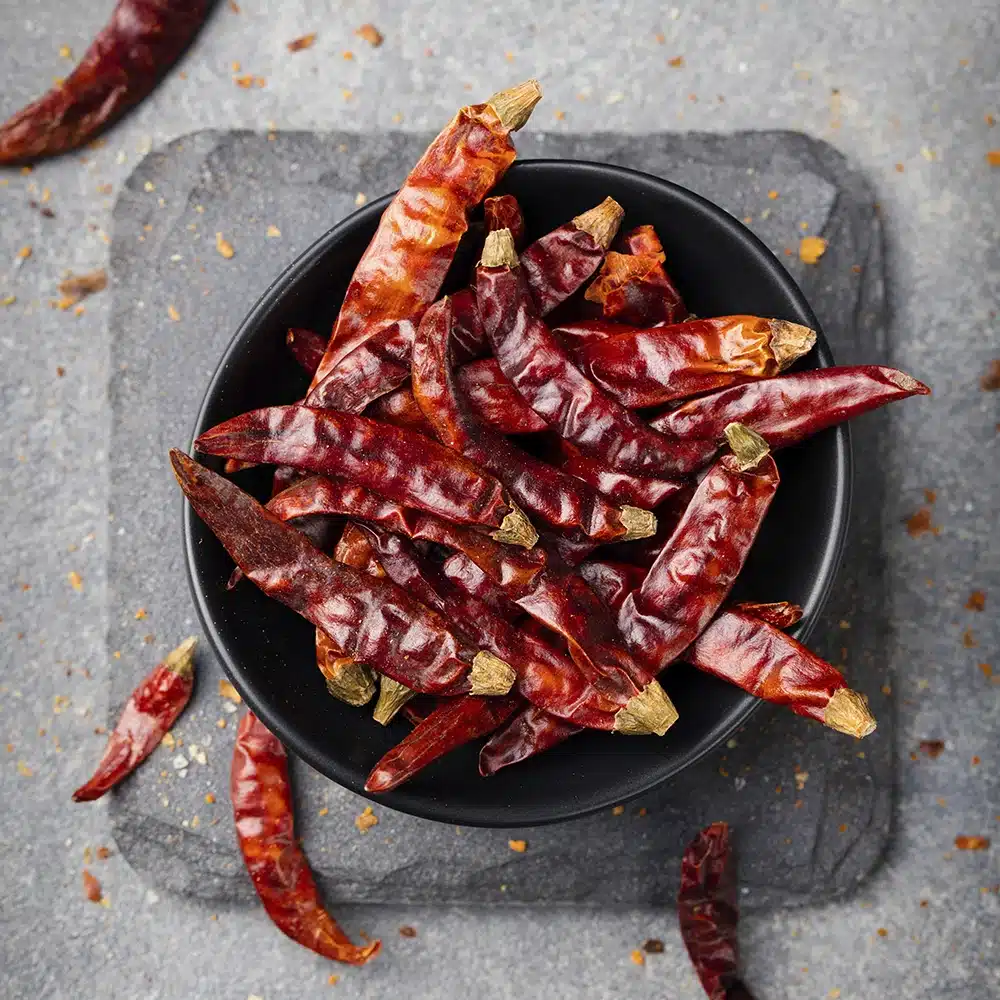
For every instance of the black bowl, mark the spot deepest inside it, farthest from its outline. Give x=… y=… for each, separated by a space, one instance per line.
x=267 y=650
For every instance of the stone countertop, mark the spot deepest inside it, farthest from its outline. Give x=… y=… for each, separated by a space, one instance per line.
x=904 y=92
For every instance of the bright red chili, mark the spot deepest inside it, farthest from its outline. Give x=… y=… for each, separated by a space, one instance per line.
x=265 y=827
x=153 y=707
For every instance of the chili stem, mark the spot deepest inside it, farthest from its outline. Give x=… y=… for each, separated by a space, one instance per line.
x=748 y=447
x=490 y=674
x=847 y=712
x=789 y=341
x=514 y=106
x=649 y=711
x=602 y=222
x=392 y=696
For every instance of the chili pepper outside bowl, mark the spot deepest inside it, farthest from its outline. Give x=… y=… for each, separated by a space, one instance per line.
x=268 y=651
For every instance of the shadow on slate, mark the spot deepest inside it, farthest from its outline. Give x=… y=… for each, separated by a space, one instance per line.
x=811 y=808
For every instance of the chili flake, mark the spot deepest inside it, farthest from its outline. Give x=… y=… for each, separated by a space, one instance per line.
x=617 y=810
x=209 y=798
x=24 y=253
x=976 y=601
x=407 y=931
x=932 y=748
x=993 y=157
x=245 y=81
x=772 y=195
x=174 y=315
x=140 y=614
x=638 y=957
x=677 y=62
x=964 y=843
x=968 y=639
x=990 y=382
x=228 y=691
x=986 y=669
x=518 y=845
x=654 y=946
x=882 y=932
x=91 y=887
x=75 y=580
x=304 y=42
x=224 y=246
x=273 y=232
x=79 y=286
x=371 y=35
x=811 y=248
x=366 y=820
x=920 y=523
x=24 y=770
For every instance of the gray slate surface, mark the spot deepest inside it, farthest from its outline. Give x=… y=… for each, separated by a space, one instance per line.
x=795 y=846
x=914 y=81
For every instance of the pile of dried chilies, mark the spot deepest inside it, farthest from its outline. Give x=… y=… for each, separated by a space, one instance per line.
x=472 y=455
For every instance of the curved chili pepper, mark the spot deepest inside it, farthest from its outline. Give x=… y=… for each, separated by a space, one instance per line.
x=707 y=909
x=494 y=399
x=401 y=272
x=503 y=212
x=402 y=410
x=789 y=409
x=556 y=266
x=635 y=289
x=457 y=722
x=540 y=489
x=369 y=619
x=265 y=827
x=532 y=731
x=658 y=365
x=544 y=374
x=699 y=563
x=767 y=663
x=123 y=64
x=397 y=462
x=153 y=707
x=307 y=347
x=544 y=677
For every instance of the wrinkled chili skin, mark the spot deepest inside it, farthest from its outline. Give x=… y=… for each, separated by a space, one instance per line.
x=464 y=573
x=129 y=56
x=544 y=374
x=635 y=289
x=556 y=498
x=648 y=367
x=699 y=563
x=612 y=581
x=370 y=620
x=261 y=795
x=400 y=409
x=453 y=724
x=503 y=212
x=708 y=914
x=544 y=676
x=307 y=347
x=152 y=708
x=401 y=272
x=789 y=409
x=494 y=399
x=767 y=663
x=532 y=731
x=399 y=463
x=642 y=240
x=558 y=264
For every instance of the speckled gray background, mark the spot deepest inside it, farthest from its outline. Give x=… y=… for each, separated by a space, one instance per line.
x=913 y=83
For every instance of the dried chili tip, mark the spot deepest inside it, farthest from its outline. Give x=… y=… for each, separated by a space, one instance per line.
x=515 y=528
x=392 y=696
x=638 y=523
x=180 y=661
x=490 y=675
x=602 y=222
x=748 y=447
x=790 y=341
x=514 y=106
x=847 y=712
x=499 y=250
x=649 y=712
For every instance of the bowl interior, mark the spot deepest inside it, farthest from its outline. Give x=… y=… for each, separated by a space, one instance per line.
x=268 y=651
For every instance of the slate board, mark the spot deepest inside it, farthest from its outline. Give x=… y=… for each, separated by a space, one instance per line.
x=797 y=844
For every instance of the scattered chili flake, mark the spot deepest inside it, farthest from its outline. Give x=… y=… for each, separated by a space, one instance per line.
x=518 y=845
x=990 y=382
x=677 y=62
x=968 y=639
x=975 y=761
x=653 y=946
x=842 y=828
x=899 y=168
x=140 y=614
x=986 y=669
x=617 y=810
x=79 y=286
x=102 y=853
x=24 y=253
x=964 y=843
x=638 y=957
x=224 y=246
x=168 y=740
x=834 y=994
x=924 y=903
x=360 y=198
x=660 y=38
x=559 y=115
x=332 y=979
x=303 y=42
x=371 y=35
x=976 y=601
x=932 y=748
x=8 y=300
x=209 y=798
x=642 y=811
x=772 y=195
x=993 y=157
x=366 y=820
x=348 y=55
x=75 y=580
x=24 y=770
x=882 y=932
x=920 y=523
x=149 y=639
x=273 y=232
x=325 y=811
x=228 y=691
x=234 y=6
x=811 y=248
x=91 y=887
x=174 y=315
x=407 y=931
x=245 y=81
x=801 y=777
x=990 y=120
x=88 y=856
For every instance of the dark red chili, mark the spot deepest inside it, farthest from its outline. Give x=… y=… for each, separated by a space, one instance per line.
x=635 y=289
x=265 y=827
x=129 y=56
x=153 y=707
x=307 y=347
x=532 y=731
x=371 y=620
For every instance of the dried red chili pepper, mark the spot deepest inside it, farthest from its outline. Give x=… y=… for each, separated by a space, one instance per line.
x=647 y=367
x=643 y=240
x=401 y=272
x=307 y=347
x=151 y=710
x=368 y=619
x=503 y=212
x=554 y=497
x=495 y=401
x=464 y=573
x=544 y=374
x=399 y=463
x=761 y=659
x=556 y=266
x=400 y=409
x=706 y=907
x=453 y=724
x=123 y=64
x=789 y=409
x=532 y=731
x=700 y=561
x=261 y=795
